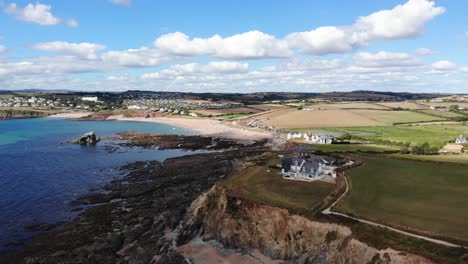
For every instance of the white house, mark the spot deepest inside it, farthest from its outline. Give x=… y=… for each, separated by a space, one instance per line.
x=89 y=98
x=461 y=140
x=293 y=135
x=307 y=169
x=314 y=138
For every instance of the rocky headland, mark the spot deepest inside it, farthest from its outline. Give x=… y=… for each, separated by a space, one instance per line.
x=177 y=211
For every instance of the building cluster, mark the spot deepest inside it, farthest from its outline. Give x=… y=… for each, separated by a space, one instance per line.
x=31 y=102
x=175 y=104
x=304 y=165
x=312 y=138
x=41 y=102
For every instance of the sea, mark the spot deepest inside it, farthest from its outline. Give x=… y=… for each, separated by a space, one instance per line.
x=40 y=173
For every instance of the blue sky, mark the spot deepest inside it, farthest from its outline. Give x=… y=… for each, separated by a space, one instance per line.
x=235 y=46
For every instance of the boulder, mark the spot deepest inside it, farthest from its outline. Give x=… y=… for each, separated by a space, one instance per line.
x=87 y=138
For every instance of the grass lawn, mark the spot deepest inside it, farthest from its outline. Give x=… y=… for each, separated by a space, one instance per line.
x=355 y=148
x=257 y=184
x=423 y=196
x=461 y=158
x=436 y=135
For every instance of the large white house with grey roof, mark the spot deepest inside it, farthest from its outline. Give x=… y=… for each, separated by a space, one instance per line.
x=307 y=168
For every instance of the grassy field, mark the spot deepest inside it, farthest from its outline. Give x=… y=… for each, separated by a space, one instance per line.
x=227 y=111
x=435 y=135
x=423 y=196
x=443 y=114
x=354 y=105
x=404 y=105
x=259 y=185
x=392 y=117
x=455 y=158
x=355 y=148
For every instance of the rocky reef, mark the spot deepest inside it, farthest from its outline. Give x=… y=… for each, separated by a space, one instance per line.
x=136 y=219
x=6 y=114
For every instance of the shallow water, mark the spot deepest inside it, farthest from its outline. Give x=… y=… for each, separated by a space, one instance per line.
x=40 y=173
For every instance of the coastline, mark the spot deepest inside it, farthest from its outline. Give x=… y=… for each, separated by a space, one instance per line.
x=204 y=127
x=70 y=115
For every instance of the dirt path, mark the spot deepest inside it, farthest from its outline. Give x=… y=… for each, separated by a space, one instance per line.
x=328 y=211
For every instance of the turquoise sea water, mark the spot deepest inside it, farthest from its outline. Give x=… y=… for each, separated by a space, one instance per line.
x=40 y=173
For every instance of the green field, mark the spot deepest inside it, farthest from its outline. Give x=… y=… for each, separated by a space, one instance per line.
x=459 y=158
x=435 y=135
x=422 y=196
x=392 y=117
x=256 y=184
x=354 y=148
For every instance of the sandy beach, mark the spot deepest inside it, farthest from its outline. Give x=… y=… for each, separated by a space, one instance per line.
x=206 y=127
x=71 y=115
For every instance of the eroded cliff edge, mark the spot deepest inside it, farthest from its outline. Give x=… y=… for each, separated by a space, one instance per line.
x=277 y=233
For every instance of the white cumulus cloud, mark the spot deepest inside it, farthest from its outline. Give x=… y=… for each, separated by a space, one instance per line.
x=33 y=13
x=403 y=21
x=248 y=45
x=2 y=48
x=84 y=49
x=215 y=67
x=425 y=52
x=121 y=77
x=385 y=59
x=443 y=65
x=141 y=57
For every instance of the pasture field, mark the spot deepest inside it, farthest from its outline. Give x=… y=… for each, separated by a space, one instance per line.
x=443 y=114
x=353 y=105
x=392 y=117
x=450 y=158
x=290 y=118
x=258 y=184
x=404 y=105
x=267 y=107
x=227 y=111
x=422 y=196
x=435 y=135
x=446 y=104
x=354 y=148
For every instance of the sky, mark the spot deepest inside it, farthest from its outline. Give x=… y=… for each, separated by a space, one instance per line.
x=235 y=46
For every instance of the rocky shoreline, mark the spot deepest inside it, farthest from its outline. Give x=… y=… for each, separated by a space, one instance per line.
x=135 y=219
x=8 y=114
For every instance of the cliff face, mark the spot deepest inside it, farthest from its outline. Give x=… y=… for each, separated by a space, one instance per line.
x=14 y=114
x=245 y=225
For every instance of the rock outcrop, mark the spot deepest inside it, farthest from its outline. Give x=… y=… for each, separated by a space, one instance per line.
x=6 y=114
x=87 y=138
x=136 y=220
x=278 y=234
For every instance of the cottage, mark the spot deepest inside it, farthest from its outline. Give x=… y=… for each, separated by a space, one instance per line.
x=308 y=169
x=314 y=138
x=461 y=140
x=452 y=149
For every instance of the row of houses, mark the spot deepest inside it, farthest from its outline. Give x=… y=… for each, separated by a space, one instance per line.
x=312 y=138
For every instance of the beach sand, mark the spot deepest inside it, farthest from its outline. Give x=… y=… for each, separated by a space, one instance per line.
x=71 y=115
x=205 y=127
